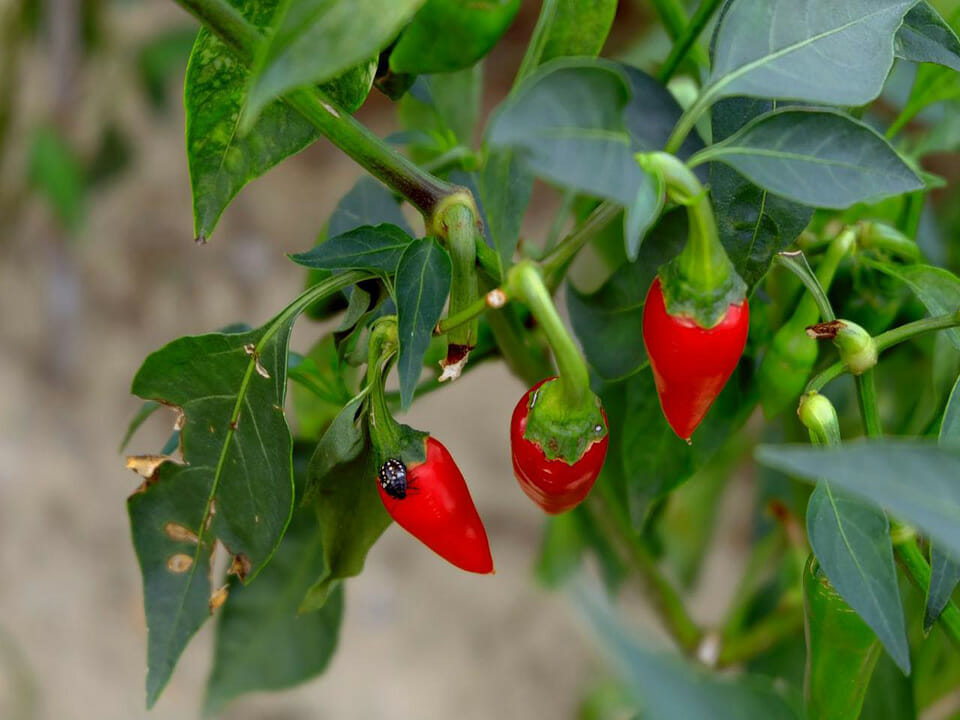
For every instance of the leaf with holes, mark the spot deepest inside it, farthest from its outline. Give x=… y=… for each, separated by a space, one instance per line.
x=820 y=158
x=236 y=483
x=422 y=286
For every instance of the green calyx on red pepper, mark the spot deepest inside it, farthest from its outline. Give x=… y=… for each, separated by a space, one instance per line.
x=565 y=416
x=701 y=282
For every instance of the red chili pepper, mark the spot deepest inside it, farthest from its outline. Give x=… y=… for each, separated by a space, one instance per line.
x=554 y=485
x=691 y=364
x=430 y=500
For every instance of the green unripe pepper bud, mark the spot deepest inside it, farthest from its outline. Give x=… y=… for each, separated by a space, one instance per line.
x=842 y=651
x=857 y=348
x=819 y=417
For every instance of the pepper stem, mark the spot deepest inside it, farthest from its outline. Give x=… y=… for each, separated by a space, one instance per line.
x=458 y=226
x=700 y=282
x=526 y=283
x=385 y=430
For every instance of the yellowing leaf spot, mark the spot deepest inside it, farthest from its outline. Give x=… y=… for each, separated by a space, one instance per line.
x=251 y=350
x=219 y=598
x=179 y=563
x=180 y=533
x=146 y=465
x=240 y=567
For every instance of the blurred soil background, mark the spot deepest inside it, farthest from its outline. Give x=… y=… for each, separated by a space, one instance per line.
x=91 y=283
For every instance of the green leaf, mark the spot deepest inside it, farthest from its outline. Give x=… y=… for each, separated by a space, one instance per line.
x=312 y=41
x=754 y=225
x=320 y=386
x=944 y=570
x=820 y=158
x=652 y=113
x=851 y=540
x=566 y=124
x=368 y=203
x=925 y=37
x=422 y=286
x=448 y=35
x=343 y=490
x=376 y=248
x=805 y=49
x=262 y=643
x=609 y=322
x=578 y=27
x=936 y=288
x=236 y=483
x=665 y=686
x=54 y=170
x=505 y=187
x=876 y=472
x=222 y=159
x=890 y=694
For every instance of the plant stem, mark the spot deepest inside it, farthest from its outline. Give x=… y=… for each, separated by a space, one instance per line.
x=780 y=624
x=869 y=409
x=495 y=299
x=918 y=570
x=887 y=340
x=538 y=40
x=459 y=227
x=691 y=33
x=673 y=16
x=688 y=121
x=666 y=599
x=555 y=262
x=526 y=283
x=422 y=189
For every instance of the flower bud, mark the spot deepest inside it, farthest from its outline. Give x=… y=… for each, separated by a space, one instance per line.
x=819 y=417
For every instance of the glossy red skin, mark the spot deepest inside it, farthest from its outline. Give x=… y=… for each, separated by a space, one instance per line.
x=691 y=364
x=554 y=485
x=439 y=511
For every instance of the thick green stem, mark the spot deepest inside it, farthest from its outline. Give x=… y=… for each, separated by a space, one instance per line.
x=538 y=41
x=889 y=339
x=422 y=189
x=691 y=33
x=688 y=121
x=526 y=283
x=869 y=409
x=459 y=227
x=382 y=350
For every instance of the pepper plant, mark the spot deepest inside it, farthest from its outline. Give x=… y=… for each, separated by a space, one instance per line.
x=761 y=193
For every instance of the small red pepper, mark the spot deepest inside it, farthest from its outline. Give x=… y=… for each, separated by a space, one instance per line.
x=555 y=485
x=690 y=363
x=430 y=500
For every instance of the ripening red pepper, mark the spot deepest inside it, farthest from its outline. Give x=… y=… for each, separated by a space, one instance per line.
x=690 y=363
x=430 y=500
x=555 y=485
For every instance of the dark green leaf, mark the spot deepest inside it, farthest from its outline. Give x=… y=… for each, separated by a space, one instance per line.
x=312 y=41
x=448 y=35
x=54 y=170
x=878 y=471
x=566 y=123
x=456 y=98
x=505 y=187
x=609 y=322
x=926 y=37
x=805 y=49
x=666 y=687
x=753 y=224
x=376 y=248
x=851 y=540
x=367 y=203
x=236 y=485
x=343 y=490
x=578 y=27
x=937 y=289
x=262 y=642
x=890 y=694
x=422 y=286
x=652 y=114
x=820 y=158
x=944 y=570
